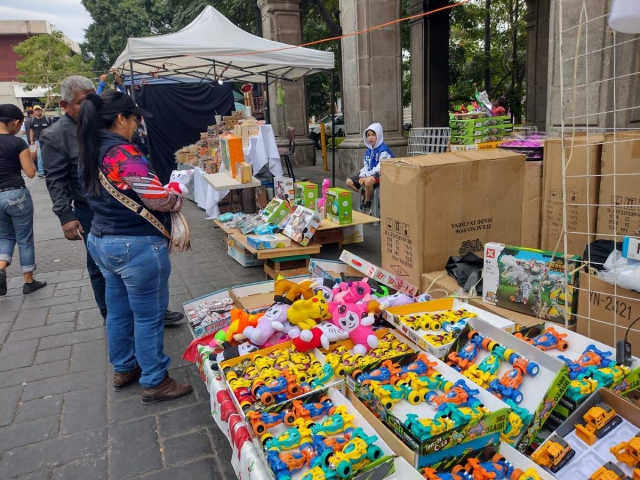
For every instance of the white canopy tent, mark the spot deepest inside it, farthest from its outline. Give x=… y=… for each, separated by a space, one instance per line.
x=211 y=47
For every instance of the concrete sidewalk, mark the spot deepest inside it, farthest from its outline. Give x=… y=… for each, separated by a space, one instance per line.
x=59 y=418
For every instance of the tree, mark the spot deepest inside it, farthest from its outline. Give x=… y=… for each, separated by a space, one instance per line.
x=47 y=60
x=115 y=21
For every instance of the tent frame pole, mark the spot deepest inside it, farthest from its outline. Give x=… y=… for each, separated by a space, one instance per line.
x=133 y=84
x=333 y=130
x=267 y=109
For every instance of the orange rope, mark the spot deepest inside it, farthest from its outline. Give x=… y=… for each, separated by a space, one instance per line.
x=358 y=32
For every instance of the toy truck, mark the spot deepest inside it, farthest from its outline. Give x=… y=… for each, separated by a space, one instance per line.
x=599 y=420
x=554 y=454
x=628 y=452
x=608 y=471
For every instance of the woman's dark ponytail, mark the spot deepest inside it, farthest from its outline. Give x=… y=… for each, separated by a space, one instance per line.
x=89 y=123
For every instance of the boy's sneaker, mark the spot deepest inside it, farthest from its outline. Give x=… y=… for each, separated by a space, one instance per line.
x=33 y=286
x=366 y=208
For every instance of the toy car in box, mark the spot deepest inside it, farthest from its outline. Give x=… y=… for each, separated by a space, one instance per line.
x=530 y=281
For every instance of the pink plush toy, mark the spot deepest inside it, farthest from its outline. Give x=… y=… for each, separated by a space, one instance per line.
x=356 y=321
x=178 y=181
x=352 y=292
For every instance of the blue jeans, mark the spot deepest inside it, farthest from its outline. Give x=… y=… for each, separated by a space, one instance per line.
x=16 y=226
x=39 y=155
x=136 y=271
x=85 y=216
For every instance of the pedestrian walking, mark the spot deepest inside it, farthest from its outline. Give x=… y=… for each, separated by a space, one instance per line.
x=39 y=122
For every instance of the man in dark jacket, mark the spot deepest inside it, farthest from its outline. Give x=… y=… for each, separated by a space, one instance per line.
x=60 y=153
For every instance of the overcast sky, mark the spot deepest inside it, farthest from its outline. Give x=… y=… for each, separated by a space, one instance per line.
x=68 y=16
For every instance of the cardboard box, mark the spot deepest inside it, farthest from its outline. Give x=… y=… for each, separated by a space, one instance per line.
x=257 y=297
x=232 y=152
x=331 y=269
x=338 y=207
x=581 y=190
x=283 y=189
x=606 y=312
x=200 y=331
x=243 y=172
x=622 y=172
x=378 y=274
x=440 y=284
x=529 y=281
x=531 y=205
x=276 y=211
x=306 y=194
x=264 y=242
x=480 y=122
x=241 y=255
x=302 y=225
x=447 y=204
x=588 y=459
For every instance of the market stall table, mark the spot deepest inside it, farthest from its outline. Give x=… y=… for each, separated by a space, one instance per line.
x=330 y=232
x=223 y=184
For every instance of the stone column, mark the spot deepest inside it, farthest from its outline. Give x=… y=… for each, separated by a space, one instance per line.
x=282 y=22
x=537 y=19
x=372 y=78
x=429 y=64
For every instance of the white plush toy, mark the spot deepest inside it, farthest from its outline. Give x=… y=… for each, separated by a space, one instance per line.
x=179 y=180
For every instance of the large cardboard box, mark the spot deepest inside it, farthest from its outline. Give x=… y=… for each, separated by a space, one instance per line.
x=622 y=171
x=435 y=206
x=582 y=185
x=606 y=312
x=531 y=205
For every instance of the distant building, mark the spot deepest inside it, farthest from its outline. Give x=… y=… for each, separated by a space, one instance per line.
x=13 y=32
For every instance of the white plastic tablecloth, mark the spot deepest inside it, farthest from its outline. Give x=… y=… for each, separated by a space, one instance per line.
x=263 y=149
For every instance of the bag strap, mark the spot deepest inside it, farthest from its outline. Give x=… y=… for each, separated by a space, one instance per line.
x=134 y=206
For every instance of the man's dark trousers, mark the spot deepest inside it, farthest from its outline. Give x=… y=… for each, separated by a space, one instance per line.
x=85 y=217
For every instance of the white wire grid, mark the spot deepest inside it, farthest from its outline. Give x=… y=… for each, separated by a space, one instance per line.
x=600 y=102
x=424 y=141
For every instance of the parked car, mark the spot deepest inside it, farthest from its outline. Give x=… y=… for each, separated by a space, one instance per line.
x=314 y=130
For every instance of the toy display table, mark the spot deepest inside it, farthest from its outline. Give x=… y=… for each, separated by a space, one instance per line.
x=222 y=182
x=329 y=232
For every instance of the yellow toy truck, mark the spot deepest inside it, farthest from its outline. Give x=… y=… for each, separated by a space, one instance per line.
x=599 y=420
x=628 y=452
x=554 y=454
x=609 y=471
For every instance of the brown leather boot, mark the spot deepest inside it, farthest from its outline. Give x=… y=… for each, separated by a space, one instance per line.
x=121 y=380
x=167 y=389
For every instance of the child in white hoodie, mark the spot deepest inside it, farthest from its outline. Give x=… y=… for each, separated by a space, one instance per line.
x=369 y=176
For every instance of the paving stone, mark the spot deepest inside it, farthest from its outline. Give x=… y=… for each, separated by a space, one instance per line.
x=17 y=354
x=186 y=447
x=40 y=332
x=41 y=475
x=95 y=468
x=53 y=355
x=86 y=293
x=7 y=317
x=46 y=292
x=179 y=421
x=89 y=319
x=77 y=281
x=61 y=318
x=198 y=385
x=40 y=408
x=136 y=439
x=204 y=469
x=63 y=384
x=9 y=398
x=10 y=304
x=28 y=432
x=73 y=307
x=72 y=338
x=33 y=373
x=177 y=361
x=84 y=410
x=178 y=290
x=31 y=319
x=50 y=302
x=52 y=453
x=68 y=279
x=62 y=289
x=223 y=453
x=4 y=331
x=89 y=356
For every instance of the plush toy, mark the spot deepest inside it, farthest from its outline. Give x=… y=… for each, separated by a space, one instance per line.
x=352 y=292
x=288 y=292
x=266 y=327
x=326 y=286
x=230 y=352
x=396 y=300
x=356 y=321
x=321 y=335
x=306 y=314
x=240 y=320
x=178 y=181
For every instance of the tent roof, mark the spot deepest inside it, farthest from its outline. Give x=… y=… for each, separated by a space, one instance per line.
x=210 y=44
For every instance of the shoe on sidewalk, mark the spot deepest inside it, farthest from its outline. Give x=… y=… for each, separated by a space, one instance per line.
x=121 y=380
x=167 y=389
x=3 y=283
x=28 y=288
x=172 y=319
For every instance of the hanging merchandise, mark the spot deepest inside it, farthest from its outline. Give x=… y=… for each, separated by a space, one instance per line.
x=625 y=16
x=280 y=94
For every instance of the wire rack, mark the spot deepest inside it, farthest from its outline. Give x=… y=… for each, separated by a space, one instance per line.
x=599 y=118
x=424 y=141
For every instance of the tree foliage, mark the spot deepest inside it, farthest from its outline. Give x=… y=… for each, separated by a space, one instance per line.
x=47 y=60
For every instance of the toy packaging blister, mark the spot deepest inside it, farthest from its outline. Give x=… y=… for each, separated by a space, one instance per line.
x=302 y=225
x=605 y=440
x=275 y=211
x=209 y=314
x=529 y=281
x=431 y=407
x=306 y=194
x=338 y=206
x=283 y=189
x=265 y=242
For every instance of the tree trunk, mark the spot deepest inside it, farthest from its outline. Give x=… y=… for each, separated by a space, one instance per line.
x=258 y=15
x=487 y=45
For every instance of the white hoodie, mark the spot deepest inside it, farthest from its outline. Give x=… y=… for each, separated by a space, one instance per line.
x=374 y=153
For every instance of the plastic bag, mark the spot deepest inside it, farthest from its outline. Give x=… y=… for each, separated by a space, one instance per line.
x=467 y=270
x=621 y=271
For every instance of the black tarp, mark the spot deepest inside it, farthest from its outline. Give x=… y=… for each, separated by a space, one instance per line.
x=180 y=113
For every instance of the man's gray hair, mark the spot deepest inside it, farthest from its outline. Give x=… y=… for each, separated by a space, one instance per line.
x=73 y=84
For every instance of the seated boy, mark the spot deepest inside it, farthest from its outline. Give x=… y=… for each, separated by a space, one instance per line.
x=369 y=176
